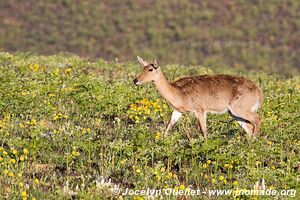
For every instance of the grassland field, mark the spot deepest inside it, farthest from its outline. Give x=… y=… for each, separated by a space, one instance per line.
x=71 y=128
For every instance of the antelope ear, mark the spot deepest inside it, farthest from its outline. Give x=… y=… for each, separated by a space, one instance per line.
x=142 y=62
x=156 y=65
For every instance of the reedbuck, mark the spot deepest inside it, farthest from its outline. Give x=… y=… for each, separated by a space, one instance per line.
x=207 y=94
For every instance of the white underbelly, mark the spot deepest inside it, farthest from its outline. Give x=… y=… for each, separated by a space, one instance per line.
x=218 y=112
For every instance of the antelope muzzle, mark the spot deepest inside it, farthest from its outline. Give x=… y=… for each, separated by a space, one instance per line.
x=136 y=81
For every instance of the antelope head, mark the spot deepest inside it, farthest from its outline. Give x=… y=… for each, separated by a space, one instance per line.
x=150 y=73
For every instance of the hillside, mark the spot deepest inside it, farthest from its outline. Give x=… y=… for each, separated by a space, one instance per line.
x=260 y=35
x=71 y=128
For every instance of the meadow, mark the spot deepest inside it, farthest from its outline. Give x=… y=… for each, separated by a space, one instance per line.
x=71 y=128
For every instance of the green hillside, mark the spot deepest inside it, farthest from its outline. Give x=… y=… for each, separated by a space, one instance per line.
x=75 y=129
x=232 y=33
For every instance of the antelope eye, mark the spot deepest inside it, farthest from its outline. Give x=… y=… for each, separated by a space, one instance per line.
x=150 y=70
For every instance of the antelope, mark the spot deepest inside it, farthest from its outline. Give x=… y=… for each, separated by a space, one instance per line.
x=204 y=94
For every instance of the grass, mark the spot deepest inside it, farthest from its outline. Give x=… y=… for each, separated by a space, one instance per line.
x=72 y=128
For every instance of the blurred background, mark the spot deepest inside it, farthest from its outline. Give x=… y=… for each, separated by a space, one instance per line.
x=256 y=35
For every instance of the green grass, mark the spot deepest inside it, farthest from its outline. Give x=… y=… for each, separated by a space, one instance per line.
x=86 y=127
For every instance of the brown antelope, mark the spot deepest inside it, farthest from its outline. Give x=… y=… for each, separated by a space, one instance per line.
x=207 y=94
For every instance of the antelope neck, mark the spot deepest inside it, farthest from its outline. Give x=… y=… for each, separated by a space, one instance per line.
x=168 y=91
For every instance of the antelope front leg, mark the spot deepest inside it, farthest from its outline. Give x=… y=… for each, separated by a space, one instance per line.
x=174 y=118
x=202 y=120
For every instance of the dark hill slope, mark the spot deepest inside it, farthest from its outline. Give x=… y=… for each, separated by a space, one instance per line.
x=243 y=34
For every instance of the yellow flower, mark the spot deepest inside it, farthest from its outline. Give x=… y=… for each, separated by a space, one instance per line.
x=55 y=117
x=13 y=161
x=36 y=181
x=1 y=149
x=11 y=174
x=19 y=175
x=33 y=122
x=204 y=166
x=157 y=136
x=158 y=177
x=5 y=171
x=75 y=153
x=213 y=180
x=221 y=178
x=33 y=198
x=23 y=194
x=15 y=152
x=68 y=71
x=4 y=153
x=236 y=124
x=137 y=198
x=269 y=142
x=21 y=158
x=162 y=170
x=208 y=162
x=25 y=151
x=55 y=72
x=181 y=187
x=21 y=184
x=123 y=162
x=226 y=165
x=137 y=120
x=34 y=67
x=1 y=158
x=169 y=175
x=138 y=171
x=235 y=183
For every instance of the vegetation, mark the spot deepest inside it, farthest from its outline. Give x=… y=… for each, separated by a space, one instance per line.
x=242 y=34
x=70 y=127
